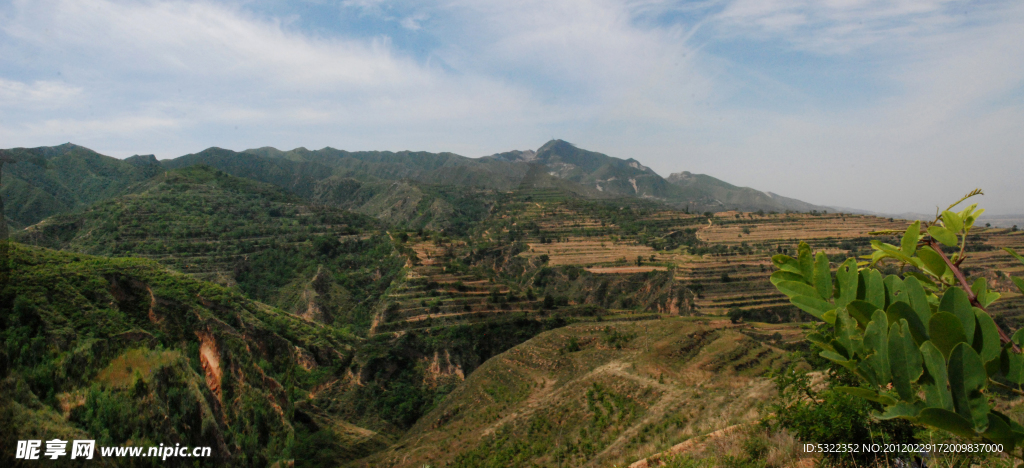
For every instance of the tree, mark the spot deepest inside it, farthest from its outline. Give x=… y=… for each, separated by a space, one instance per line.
x=549 y=301
x=923 y=333
x=736 y=315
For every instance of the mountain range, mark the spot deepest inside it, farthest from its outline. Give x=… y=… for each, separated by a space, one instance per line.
x=403 y=188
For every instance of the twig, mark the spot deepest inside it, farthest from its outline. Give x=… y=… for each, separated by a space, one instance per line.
x=1006 y=387
x=967 y=288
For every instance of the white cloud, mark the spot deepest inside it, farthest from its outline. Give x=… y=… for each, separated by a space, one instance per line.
x=413 y=22
x=16 y=94
x=634 y=78
x=202 y=41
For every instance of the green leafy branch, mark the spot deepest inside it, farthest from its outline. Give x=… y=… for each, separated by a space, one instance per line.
x=922 y=343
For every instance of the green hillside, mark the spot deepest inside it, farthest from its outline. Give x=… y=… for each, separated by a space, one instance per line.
x=717 y=194
x=417 y=166
x=123 y=350
x=405 y=190
x=597 y=395
x=324 y=263
x=408 y=205
x=52 y=180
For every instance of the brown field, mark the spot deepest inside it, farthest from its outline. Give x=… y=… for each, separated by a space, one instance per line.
x=590 y=252
x=625 y=269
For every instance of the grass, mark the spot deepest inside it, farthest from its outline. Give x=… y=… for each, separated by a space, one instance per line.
x=615 y=399
x=121 y=372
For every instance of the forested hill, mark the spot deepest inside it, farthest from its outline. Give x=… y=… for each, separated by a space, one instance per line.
x=51 y=180
x=121 y=350
x=269 y=243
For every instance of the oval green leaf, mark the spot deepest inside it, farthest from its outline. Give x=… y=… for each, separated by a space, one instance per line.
x=943 y=235
x=905 y=360
x=945 y=332
x=967 y=382
x=947 y=421
x=956 y=302
x=934 y=380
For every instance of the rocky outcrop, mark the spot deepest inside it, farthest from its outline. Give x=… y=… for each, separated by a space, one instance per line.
x=209 y=358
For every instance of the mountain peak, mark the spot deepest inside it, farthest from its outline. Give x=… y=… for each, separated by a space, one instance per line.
x=555 y=145
x=676 y=177
x=141 y=160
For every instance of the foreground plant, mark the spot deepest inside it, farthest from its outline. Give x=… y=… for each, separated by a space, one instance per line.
x=921 y=342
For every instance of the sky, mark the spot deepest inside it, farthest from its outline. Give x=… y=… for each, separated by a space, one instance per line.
x=890 y=106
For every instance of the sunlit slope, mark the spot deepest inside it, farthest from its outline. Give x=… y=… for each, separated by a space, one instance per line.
x=599 y=394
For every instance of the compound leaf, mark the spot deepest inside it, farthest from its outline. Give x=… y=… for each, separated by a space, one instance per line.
x=871 y=288
x=812 y=305
x=784 y=275
x=952 y=221
x=805 y=261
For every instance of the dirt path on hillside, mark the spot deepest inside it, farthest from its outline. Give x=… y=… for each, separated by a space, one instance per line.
x=532 y=404
x=671 y=394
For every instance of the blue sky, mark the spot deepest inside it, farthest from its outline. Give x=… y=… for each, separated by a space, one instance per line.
x=888 y=106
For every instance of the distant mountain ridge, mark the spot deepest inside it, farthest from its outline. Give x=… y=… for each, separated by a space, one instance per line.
x=396 y=187
x=629 y=178
x=720 y=192
x=51 y=180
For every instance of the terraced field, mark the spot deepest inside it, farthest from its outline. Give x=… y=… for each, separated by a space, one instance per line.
x=318 y=262
x=437 y=291
x=724 y=259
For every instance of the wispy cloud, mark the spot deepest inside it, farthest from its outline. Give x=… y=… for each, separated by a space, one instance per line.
x=37 y=94
x=840 y=26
